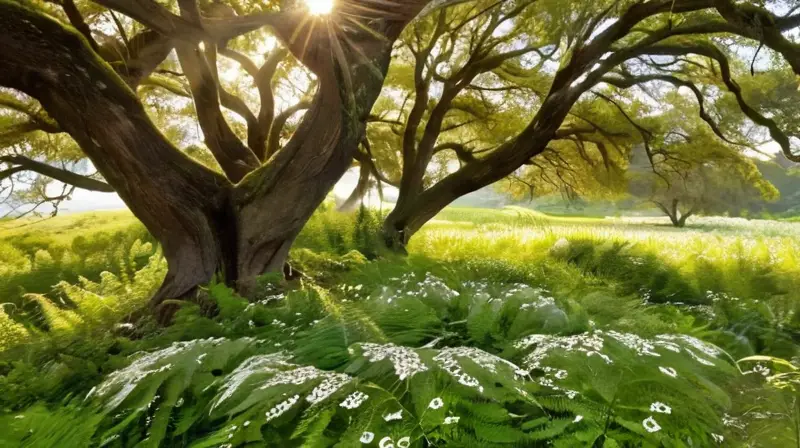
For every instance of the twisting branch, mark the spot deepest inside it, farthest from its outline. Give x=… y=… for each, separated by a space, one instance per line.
x=712 y=52
x=20 y=163
x=266 y=115
x=630 y=81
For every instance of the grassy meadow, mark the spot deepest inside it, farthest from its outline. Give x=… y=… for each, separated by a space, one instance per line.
x=499 y=328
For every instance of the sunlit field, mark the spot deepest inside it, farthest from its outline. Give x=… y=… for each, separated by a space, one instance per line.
x=501 y=327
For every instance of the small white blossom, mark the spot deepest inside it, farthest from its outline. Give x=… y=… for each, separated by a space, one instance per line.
x=572 y=394
x=661 y=408
x=436 y=403
x=577 y=418
x=406 y=361
x=395 y=416
x=651 y=425
x=282 y=407
x=404 y=442
x=328 y=386
x=386 y=442
x=367 y=437
x=717 y=438
x=354 y=400
x=668 y=371
x=451 y=420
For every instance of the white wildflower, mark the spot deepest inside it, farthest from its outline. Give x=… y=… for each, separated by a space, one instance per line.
x=651 y=425
x=404 y=442
x=367 y=437
x=406 y=361
x=572 y=394
x=578 y=418
x=436 y=403
x=282 y=407
x=394 y=416
x=451 y=420
x=660 y=407
x=386 y=442
x=668 y=371
x=354 y=400
x=717 y=438
x=328 y=386
x=449 y=360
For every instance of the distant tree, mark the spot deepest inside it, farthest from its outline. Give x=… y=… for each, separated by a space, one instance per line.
x=484 y=91
x=727 y=184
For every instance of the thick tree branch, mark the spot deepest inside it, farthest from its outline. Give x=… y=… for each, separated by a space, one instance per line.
x=236 y=159
x=266 y=115
x=146 y=51
x=171 y=194
x=247 y=64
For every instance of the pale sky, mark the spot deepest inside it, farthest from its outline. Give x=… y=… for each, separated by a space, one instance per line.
x=90 y=200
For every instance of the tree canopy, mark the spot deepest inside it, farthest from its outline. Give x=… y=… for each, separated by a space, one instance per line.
x=555 y=96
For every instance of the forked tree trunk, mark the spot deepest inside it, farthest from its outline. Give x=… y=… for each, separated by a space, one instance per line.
x=206 y=225
x=677 y=218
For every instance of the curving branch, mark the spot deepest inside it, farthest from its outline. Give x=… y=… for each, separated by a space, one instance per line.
x=759 y=24
x=21 y=163
x=712 y=52
x=266 y=115
x=630 y=81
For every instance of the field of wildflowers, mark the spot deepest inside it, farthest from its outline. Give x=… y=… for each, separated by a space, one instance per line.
x=500 y=328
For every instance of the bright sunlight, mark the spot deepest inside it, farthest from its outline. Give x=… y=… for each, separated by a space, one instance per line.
x=319 y=7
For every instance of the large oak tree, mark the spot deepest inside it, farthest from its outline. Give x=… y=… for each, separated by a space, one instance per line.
x=240 y=222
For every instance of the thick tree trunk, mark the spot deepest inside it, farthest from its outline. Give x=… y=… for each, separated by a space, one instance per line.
x=180 y=202
x=288 y=190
